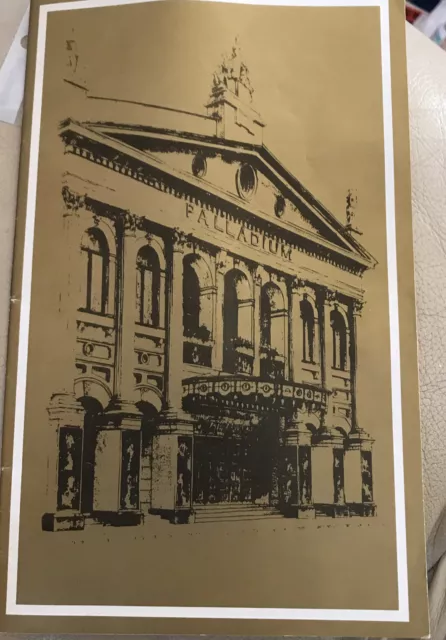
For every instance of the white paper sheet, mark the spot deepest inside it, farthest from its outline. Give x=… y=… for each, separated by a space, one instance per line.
x=12 y=74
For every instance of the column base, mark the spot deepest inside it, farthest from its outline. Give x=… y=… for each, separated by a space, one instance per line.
x=176 y=421
x=116 y=518
x=332 y=510
x=76 y=521
x=63 y=521
x=121 y=413
x=363 y=509
x=65 y=410
x=303 y=511
x=359 y=439
x=174 y=516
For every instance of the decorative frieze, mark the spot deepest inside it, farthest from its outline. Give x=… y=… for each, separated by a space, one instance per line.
x=73 y=201
x=135 y=169
x=252 y=394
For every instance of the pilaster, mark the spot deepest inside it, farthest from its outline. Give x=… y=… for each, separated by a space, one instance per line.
x=174 y=355
x=66 y=414
x=297 y=489
x=124 y=383
x=257 y=281
x=354 y=313
x=327 y=306
x=295 y=334
x=220 y=267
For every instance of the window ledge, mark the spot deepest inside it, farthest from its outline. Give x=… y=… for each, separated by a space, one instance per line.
x=192 y=340
x=93 y=317
x=340 y=373
x=306 y=364
x=147 y=330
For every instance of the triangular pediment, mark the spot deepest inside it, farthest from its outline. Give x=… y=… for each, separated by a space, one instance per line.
x=278 y=198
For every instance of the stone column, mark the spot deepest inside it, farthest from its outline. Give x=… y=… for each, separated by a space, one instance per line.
x=172 y=452
x=354 y=313
x=111 y=297
x=257 y=282
x=162 y=303
x=328 y=454
x=295 y=332
x=359 y=473
x=124 y=387
x=66 y=414
x=326 y=337
x=174 y=355
x=286 y=341
x=358 y=455
x=122 y=419
x=217 y=355
x=328 y=473
x=298 y=472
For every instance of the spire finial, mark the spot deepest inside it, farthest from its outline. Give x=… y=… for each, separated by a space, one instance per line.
x=233 y=74
x=350 y=210
x=75 y=69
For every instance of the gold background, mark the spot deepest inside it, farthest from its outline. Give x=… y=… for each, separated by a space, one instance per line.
x=316 y=73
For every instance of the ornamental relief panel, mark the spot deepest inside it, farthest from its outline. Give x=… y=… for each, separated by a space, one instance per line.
x=94 y=350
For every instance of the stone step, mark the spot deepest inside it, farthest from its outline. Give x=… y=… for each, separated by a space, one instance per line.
x=231 y=506
x=234 y=513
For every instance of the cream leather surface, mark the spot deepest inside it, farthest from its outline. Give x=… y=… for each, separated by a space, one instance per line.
x=427 y=101
x=427 y=97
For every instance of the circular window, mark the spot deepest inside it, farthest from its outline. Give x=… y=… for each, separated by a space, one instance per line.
x=246 y=181
x=279 y=206
x=144 y=358
x=199 y=166
x=88 y=348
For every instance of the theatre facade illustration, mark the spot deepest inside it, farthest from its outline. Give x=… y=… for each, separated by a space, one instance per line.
x=211 y=311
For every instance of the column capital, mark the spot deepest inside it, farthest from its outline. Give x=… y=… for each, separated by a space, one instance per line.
x=72 y=201
x=179 y=240
x=65 y=409
x=297 y=284
x=150 y=238
x=331 y=297
x=257 y=277
x=129 y=222
x=357 y=307
x=220 y=261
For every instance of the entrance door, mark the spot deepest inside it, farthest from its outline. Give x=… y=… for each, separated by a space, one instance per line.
x=221 y=473
x=263 y=450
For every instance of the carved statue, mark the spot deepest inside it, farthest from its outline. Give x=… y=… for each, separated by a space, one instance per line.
x=233 y=73
x=350 y=211
x=73 y=56
x=352 y=201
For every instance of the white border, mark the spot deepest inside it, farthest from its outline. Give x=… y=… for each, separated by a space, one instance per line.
x=398 y=615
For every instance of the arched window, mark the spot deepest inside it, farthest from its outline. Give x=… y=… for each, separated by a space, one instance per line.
x=272 y=318
x=339 y=340
x=191 y=301
x=308 y=330
x=97 y=260
x=238 y=353
x=273 y=321
x=148 y=287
